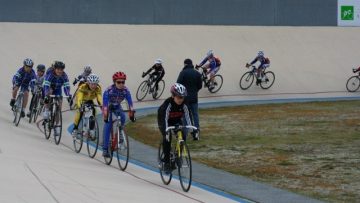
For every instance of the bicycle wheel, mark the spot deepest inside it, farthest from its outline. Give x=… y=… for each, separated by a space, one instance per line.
x=58 y=117
x=32 y=107
x=165 y=177
x=269 y=80
x=353 y=83
x=142 y=91
x=161 y=86
x=48 y=124
x=246 y=80
x=38 y=109
x=78 y=139
x=218 y=81
x=184 y=167
x=93 y=144
x=19 y=103
x=122 y=149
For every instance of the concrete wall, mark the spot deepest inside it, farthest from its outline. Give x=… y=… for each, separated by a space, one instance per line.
x=204 y=12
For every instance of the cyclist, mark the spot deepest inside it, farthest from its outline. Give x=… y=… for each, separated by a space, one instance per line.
x=22 y=80
x=158 y=73
x=83 y=76
x=85 y=95
x=212 y=67
x=264 y=63
x=53 y=82
x=112 y=98
x=37 y=83
x=170 y=113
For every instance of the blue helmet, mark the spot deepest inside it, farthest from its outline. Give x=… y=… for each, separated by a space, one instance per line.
x=260 y=54
x=28 y=62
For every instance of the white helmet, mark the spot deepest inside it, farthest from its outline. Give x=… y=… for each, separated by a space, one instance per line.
x=209 y=53
x=260 y=53
x=178 y=90
x=28 y=62
x=93 y=79
x=158 y=61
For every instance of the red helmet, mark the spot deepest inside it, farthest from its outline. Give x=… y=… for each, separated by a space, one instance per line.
x=119 y=75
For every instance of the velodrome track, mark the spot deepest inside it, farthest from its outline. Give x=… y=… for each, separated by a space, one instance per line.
x=309 y=62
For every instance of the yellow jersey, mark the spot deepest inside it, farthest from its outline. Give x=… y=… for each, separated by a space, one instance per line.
x=84 y=93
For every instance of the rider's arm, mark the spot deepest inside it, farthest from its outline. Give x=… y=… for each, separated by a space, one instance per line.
x=254 y=61
x=79 y=97
x=47 y=83
x=203 y=61
x=128 y=99
x=105 y=108
x=66 y=85
x=33 y=80
x=99 y=96
x=187 y=115
x=213 y=64
x=17 y=77
x=148 y=71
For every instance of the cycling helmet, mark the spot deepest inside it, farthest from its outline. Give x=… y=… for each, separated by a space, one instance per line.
x=59 y=64
x=28 y=62
x=158 y=61
x=178 y=90
x=93 y=79
x=87 y=69
x=41 y=67
x=119 y=75
x=210 y=53
x=260 y=54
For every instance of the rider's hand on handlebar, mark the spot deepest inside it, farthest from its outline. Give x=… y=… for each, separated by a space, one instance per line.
x=143 y=74
x=247 y=65
x=132 y=116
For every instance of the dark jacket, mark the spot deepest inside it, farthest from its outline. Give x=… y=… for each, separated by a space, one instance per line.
x=191 y=79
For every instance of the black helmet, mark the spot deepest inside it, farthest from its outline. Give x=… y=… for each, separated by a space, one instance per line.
x=41 y=67
x=59 y=64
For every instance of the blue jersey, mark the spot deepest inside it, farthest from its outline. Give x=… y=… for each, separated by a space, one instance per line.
x=214 y=62
x=56 y=82
x=23 y=78
x=261 y=59
x=115 y=96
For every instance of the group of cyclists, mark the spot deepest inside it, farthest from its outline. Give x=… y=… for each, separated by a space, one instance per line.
x=51 y=82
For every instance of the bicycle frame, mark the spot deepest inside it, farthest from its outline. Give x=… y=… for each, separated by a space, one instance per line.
x=177 y=130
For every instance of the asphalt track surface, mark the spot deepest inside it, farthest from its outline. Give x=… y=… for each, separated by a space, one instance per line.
x=310 y=64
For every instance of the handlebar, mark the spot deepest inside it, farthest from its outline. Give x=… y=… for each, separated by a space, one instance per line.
x=180 y=127
x=58 y=96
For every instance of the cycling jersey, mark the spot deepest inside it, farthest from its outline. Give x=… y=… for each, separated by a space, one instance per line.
x=214 y=62
x=159 y=70
x=23 y=78
x=84 y=93
x=55 y=83
x=263 y=61
x=81 y=78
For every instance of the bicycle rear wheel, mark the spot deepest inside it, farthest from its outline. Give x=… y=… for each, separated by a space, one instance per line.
x=184 y=167
x=58 y=125
x=142 y=91
x=161 y=86
x=218 y=81
x=165 y=177
x=32 y=107
x=353 y=83
x=246 y=80
x=18 y=109
x=269 y=80
x=78 y=139
x=122 y=149
x=92 y=144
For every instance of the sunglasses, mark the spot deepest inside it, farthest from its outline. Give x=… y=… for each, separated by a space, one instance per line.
x=120 y=82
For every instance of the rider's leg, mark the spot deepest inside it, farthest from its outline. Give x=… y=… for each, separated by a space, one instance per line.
x=106 y=134
x=13 y=95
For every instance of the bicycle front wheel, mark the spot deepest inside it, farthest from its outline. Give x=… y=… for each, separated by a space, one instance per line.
x=47 y=128
x=142 y=91
x=165 y=177
x=122 y=150
x=246 y=80
x=217 y=84
x=57 y=125
x=108 y=160
x=184 y=167
x=161 y=86
x=38 y=109
x=32 y=108
x=18 y=108
x=78 y=139
x=269 y=80
x=353 y=84
x=92 y=143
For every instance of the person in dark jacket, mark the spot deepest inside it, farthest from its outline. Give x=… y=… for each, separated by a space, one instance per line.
x=191 y=79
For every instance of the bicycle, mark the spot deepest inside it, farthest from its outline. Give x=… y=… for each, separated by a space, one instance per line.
x=84 y=133
x=217 y=81
x=179 y=157
x=118 y=143
x=265 y=82
x=18 y=107
x=148 y=85
x=353 y=83
x=36 y=104
x=55 y=120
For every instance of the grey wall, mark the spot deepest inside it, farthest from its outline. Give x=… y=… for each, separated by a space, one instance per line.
x=207 y=12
